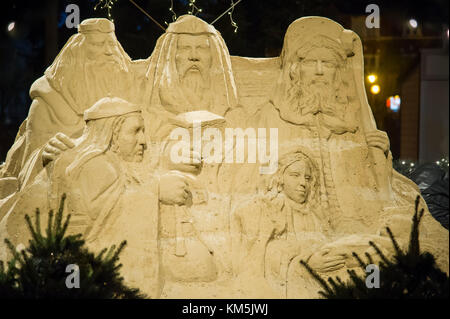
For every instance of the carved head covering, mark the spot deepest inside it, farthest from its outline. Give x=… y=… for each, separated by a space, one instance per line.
x=68 y=72
x=109 y=107
x=163 y=80
x=96 y=25
x=302 y=36
x=316 y=31
x=101 y=121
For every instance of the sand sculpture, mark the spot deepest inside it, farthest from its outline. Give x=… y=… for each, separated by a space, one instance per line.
x=160 y=152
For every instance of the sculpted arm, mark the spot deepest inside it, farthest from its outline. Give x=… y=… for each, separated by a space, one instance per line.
x=45 y=130
x=40 y=126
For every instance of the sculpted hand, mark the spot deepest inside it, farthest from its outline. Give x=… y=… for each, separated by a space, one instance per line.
x=323 y=261
x=174 y=190
x=378 y=139
x=55 y=146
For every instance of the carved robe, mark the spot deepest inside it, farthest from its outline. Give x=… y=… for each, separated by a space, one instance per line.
x=120 y=203
x=268 y=235
x=49 y=114
x=342 y=154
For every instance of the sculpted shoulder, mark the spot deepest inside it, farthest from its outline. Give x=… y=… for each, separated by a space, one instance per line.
x=264 y=115
x=97 y=175
x=41 y=88
x=50 y=105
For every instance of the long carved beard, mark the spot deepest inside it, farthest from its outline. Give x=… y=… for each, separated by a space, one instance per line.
x=195 y=88
x=302 y=96
x=96 y=81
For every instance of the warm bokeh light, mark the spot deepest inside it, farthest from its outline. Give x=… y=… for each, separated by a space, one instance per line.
x=372 y=78
x=375 y=89
x=11 y=26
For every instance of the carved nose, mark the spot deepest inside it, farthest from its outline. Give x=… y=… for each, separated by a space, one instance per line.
x=319 y=69
x=193 y=56
x=141 y=138
x=194 y=59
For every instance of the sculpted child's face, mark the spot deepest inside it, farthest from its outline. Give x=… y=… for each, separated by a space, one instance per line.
x=318 y=67
x=297 y=181
x=130 y=141
x=193 y=54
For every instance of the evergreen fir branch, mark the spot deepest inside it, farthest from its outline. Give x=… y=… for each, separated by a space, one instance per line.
x=35 y=234
x=362 y=264
x=49 y=226
x=12 y=249
x=66 y=224
x=384 y=259
x=410 y=274
x=8 y=282
x=397 y=249
x=313 y=273
x=369 y=257
x=359 y=284
x=414 y=246
x=58 y=219
x=339 y=280
x=39 y=271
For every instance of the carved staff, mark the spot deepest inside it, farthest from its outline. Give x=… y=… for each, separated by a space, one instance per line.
x=380 y=169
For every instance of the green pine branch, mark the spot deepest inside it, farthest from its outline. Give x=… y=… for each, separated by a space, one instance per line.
x=39 y=271
x=410 y=274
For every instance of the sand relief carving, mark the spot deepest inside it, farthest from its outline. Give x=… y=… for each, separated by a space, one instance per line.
x=123 y=200
x=318 y=105
x=189 y=78
x=90 y=65
x=202 y=227
x=285 y=222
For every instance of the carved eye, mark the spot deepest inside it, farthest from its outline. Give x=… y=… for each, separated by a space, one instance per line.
x=309 y=62
x=328 y=64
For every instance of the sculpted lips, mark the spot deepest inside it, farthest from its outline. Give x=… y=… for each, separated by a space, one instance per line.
x=194 y=67
x=322 y=81
x=140 y=151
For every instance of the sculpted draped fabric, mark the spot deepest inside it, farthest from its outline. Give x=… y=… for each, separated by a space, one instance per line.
x=74 y=82
x=213 y=227
x=111 y=200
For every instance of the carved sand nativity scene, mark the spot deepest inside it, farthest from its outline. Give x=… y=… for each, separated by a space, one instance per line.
x=221 y=172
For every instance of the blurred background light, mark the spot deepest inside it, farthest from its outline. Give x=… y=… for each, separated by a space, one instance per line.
x=372 y=78
x=375 y=89
x=11 y=26
x=393 y=103
x=413 y=23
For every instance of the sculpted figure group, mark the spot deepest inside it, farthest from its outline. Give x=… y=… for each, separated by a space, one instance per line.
x=101 y=130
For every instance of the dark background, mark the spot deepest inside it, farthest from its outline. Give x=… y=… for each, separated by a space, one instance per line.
x=40 y=33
